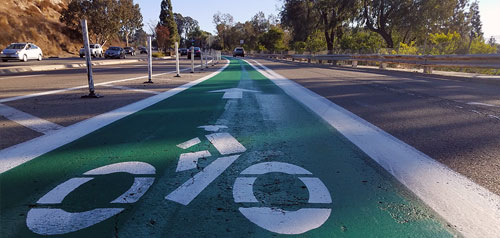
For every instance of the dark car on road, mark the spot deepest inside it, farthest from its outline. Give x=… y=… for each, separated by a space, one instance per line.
x=115 y=52
x=239 y=51
x=143 y=50
x=197 y=52
x=183 y=51
x=129 y=51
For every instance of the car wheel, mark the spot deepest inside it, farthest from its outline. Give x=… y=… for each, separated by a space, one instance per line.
x=40 y=57
x=25 y=58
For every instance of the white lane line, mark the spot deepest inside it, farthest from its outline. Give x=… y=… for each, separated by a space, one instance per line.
x=225 y=143
x=80 y=87
x=28 y=120
x=471 y=209
x=482 y=104
x=21 y=153
x=22 y=76
x=131 y=89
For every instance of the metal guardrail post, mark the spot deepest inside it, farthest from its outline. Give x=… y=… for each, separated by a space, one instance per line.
x=354 y=63
x=150 y=61
x=88 y=58
x=177 y=66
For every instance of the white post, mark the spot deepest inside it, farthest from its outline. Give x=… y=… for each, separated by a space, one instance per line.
x=213 y=56
x=201 y=59
x=150 y=61
x=192 y=59
x=177 y=60
x=88 y=58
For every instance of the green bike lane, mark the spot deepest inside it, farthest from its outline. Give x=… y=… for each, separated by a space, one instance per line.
x=365 y=201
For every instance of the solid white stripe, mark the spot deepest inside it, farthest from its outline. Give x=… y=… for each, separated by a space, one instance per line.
x=28 y=120
x=472 y=209
x=19 y=154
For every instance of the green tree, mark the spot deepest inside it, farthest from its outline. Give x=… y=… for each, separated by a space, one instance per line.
x=131 y=18
x=272 y=40
x=167 y=20
x=300 y=17
x=223 y=24
x=316 y=42
x=103 y=16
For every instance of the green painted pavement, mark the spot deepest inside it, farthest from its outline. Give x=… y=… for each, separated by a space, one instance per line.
x=366 y=201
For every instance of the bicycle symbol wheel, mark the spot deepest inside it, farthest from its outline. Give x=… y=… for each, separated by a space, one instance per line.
x=54 y=221
x=278 y=220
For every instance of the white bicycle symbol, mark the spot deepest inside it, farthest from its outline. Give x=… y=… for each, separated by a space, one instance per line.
x=54 y=221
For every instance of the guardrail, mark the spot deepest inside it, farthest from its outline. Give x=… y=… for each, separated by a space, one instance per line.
x=427 y=62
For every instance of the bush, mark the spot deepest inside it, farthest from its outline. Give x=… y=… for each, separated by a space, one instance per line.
x=158 y=54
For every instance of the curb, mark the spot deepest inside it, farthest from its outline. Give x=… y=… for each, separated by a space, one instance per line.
x=38 y=68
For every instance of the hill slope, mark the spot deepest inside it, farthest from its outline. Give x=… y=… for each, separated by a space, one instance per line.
x=36 y=21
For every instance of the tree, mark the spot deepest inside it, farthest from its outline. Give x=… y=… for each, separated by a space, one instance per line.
x=272 y=40
x=167 y=20
x=300 y=17
x=131 y=18
x=475 y=23
x=104 y=18
x=163 y=37
x=333 y=14
x=223 y=24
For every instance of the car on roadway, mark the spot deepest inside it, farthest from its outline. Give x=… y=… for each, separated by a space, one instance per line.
x=115 y=52
x=143 y=50
x=197 y=53
x=21 y=52
x=239 y=51
x=129 y=51
x=183 y=51
x=95 y=51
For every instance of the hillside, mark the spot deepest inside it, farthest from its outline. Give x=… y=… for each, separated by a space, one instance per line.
x=36 y=21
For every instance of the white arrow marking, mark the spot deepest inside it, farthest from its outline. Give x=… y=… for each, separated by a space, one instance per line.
x=233 y=93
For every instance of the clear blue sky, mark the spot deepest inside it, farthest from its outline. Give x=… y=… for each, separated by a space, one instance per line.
x=243 y=10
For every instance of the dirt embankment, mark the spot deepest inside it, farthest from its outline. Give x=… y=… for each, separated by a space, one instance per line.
x=37 y=21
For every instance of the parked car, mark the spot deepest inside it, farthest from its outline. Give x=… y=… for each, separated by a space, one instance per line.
x=22 y=52
x=143 y=50
x=129 y=51
x=197 y=53
x=95 y=51
x=115 y=52
x=239 y=51
x=183 y=51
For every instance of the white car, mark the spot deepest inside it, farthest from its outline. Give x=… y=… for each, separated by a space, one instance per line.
x=22 y=52
x=95 y=51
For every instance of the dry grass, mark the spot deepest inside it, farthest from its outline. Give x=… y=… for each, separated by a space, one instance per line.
x=37 y=21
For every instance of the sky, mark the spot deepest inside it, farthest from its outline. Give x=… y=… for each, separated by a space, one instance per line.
x=244 y=10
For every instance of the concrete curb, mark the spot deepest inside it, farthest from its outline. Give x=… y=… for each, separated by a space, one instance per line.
x=37 y=68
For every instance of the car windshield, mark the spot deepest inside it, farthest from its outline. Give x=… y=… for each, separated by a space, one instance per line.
x=128 y=48
x=114 y=48
x=16 y=46
x=92 y=46
x=196 y=48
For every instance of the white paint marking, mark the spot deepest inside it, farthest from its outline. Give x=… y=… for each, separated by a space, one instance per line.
x=21 y=153
x=22 y=76
x=189 y=143
x=137 y=168
x=214 y=128
x=46 y=221
x=28 y=120
x=287 y=222
x=131 y=89
x=225 y=143
x=278 y=167
x=189 y=161
x=195 y=185
x=482 y=104
x=318 y=193
x=472 y=209
x=233 y=93
x=135 y=192
x=85 y=86
x=57 y=195
x=243 y=190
